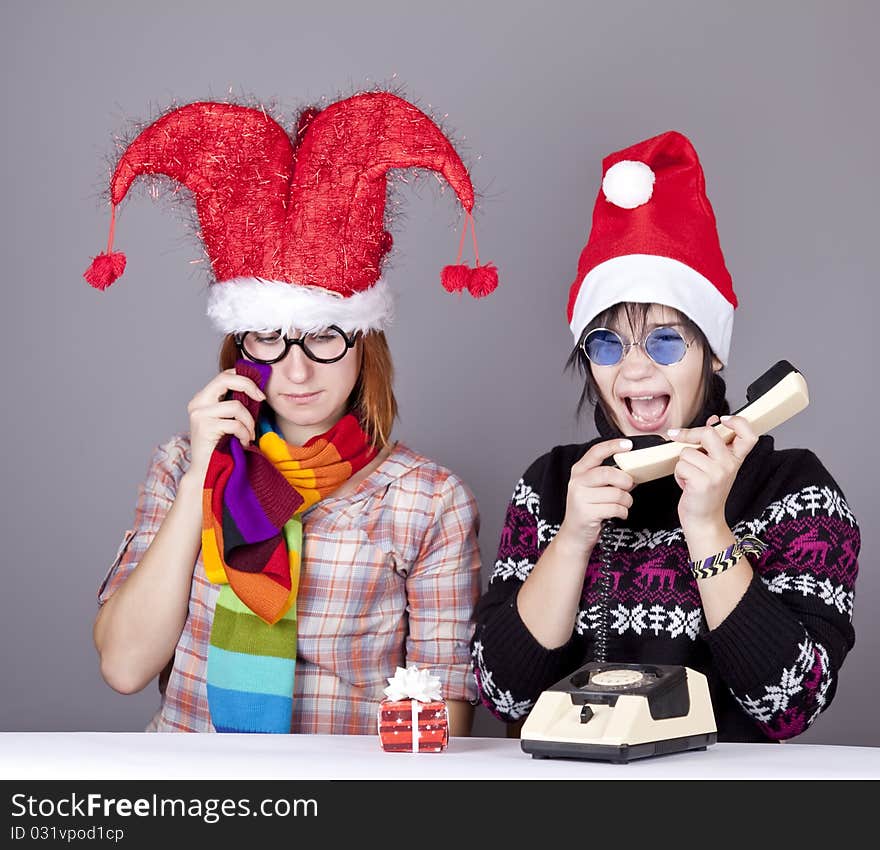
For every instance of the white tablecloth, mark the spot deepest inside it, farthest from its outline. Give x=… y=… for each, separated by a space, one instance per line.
x=115 y=755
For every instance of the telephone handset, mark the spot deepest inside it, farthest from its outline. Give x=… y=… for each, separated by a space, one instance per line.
x=776 y=396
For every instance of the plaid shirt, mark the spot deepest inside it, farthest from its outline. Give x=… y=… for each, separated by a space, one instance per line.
x=390 y=576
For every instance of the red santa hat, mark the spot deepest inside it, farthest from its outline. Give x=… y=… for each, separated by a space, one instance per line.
x=654 y=240
x=294 y=225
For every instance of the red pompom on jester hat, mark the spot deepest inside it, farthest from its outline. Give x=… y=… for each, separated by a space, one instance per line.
x=455 y=278
x=294 y=225
x=483 y=280
x=479 y=281
x=105 y=269
x=107 y=266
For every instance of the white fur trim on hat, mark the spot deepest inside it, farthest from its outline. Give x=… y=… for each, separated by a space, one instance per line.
x=255 y=304
x=650 y=279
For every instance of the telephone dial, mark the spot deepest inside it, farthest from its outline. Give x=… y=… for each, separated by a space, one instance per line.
x=618 y=712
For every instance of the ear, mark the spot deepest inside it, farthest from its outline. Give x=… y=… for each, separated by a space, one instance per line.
x=717 y=365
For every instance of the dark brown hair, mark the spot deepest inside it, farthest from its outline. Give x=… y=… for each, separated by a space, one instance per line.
x=373 y=394
x=637 y=316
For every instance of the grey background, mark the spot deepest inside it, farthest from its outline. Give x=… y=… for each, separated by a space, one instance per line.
x=779 y=99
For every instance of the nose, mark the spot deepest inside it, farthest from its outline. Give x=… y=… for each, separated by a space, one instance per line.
x=296 y=366
x=636 y=362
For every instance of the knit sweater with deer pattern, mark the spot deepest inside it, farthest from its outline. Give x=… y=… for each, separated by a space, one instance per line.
x=772 y=664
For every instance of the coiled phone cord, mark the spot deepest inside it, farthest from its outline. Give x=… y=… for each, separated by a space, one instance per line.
x=602 y=626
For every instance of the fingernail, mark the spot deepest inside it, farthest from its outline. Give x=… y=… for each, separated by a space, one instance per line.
x=626 y=444
x=673 y=431
x=725 y=418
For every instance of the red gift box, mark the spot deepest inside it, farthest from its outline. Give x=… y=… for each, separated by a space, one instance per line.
x=410 y=726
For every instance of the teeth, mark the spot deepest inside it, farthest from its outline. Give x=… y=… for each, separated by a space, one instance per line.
x=635 y=415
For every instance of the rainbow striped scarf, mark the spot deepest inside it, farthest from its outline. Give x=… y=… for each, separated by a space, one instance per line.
x=252 y=507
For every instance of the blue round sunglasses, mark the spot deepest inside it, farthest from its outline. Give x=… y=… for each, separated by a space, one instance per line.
x=604 y=347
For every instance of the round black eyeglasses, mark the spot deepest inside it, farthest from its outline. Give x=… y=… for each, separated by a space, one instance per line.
x=327 y=345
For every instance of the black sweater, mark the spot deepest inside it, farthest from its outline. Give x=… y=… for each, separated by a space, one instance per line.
x=772 y=664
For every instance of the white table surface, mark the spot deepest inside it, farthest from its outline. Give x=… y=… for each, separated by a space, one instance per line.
x=141 y=755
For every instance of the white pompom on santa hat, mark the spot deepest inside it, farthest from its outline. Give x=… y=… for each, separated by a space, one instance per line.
x=629 y=184
x=654 y=240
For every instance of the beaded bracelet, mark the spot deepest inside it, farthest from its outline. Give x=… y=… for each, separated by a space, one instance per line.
x=722 y=561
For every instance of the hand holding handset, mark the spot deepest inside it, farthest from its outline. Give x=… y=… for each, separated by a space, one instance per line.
x=776 y=396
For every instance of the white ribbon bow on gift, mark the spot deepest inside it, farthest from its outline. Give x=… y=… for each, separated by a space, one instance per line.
x=413 y=683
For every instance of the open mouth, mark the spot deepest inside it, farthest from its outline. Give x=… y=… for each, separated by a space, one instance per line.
x=647 y=412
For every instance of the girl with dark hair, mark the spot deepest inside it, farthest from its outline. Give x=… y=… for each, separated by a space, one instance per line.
x=742 y=564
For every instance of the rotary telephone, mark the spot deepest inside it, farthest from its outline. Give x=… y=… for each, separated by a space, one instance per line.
x=618 y=712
